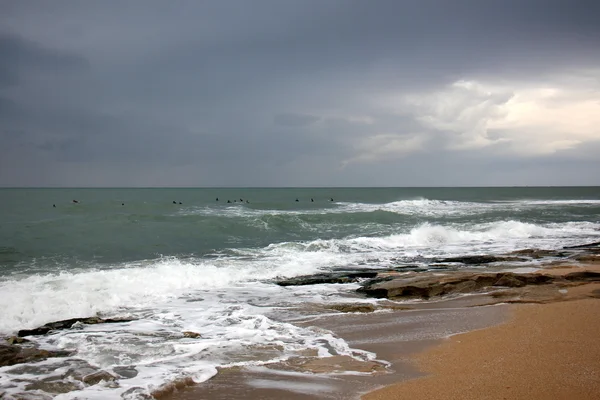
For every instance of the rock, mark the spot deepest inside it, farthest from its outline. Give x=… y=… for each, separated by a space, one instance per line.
x=510 y=281
x=583 y=246
x=53 y=386
x=426 y=285
x=126 y=372
x=136 y=393
x=471 y=260
x=16 y=340
x=80 y=369
x=588 y=258
x=97 y=377
x=583 y=276
x=335 y=277
x=68 y=323
x=191 y=335
x=348 y=308
x=30 y=396
x=14 y=354
x=538 y=253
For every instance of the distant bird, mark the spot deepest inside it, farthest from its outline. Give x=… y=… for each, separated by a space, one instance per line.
x=296 y=199
x=331 y=199
x=312 y=200
x=54 y=205
x=75 y=201
x=122 y=204
x=217 y=199
x=180 y=203
x=174 y=202
x=241 y=200
x=229 y=201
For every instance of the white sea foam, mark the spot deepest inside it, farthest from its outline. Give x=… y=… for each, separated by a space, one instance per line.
x=418 y=206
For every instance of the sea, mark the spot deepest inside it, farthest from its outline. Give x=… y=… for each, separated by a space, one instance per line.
x=205 y=260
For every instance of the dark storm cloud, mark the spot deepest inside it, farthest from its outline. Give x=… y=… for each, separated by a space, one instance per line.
x=19 y=56
x=295 y=119
x=264 y=92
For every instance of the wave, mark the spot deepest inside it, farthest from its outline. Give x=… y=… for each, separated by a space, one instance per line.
x=37 y=299
x=406 y=207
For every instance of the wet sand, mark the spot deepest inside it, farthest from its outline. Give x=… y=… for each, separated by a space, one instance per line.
x=546 y=351
x=393 y=336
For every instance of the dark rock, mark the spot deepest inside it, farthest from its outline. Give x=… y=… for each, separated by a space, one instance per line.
x=348 y=308
x=191 y=335
x=68 y=323
x=13 y=354
x=16 y=340
x=473 y=260
x=126 y=372
x=337 y=277
x=136 y=393
x=583 y=276
x=583 y=246
x=538 y=253
x=587 y=258
x=97 y=377
x=53 y=386
x=30 y=396
x=79 y=369
x=510 y=281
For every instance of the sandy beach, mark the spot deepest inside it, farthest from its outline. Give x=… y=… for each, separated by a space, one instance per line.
x=545 y=351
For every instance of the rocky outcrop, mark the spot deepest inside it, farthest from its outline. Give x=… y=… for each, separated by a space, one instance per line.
x=584 y=246
x=11 y=354
x=539 y=253
x=476 y=260
x=427 y=285
x=68 y=324
x=97 y=377
x=350 y=308
x=336 y=277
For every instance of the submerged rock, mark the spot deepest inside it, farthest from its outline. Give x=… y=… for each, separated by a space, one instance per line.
x=336 y=277
x=583 y=246
x=126 y=372
x=14 y=354
x=16 y=340
x=97 y=377
x=473 y=260
x=539 y=253
x=348 y=308
x=53 y=386
x=68 y=323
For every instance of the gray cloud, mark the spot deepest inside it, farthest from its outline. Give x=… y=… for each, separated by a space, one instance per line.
x=281 y=93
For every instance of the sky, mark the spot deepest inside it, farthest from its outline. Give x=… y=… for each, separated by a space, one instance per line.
x=299 y=93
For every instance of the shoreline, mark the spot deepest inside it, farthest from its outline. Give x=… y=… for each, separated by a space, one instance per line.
x=544 y=351
x=388 y=345
x=420 y=345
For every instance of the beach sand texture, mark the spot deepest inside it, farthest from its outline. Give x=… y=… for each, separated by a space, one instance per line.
x=546 y=351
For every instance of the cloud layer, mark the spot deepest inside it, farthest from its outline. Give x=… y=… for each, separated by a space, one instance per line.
x=299 y=93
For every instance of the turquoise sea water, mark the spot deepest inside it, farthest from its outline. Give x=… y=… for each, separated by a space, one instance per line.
x=208 y=266
x=100 y=230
